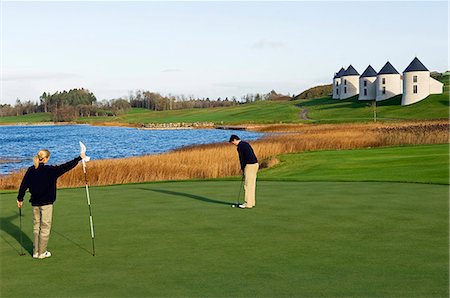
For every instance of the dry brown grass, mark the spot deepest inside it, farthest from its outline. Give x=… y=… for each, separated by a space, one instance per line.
x=221 y=160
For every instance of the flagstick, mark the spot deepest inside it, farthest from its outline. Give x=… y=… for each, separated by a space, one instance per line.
x=90 y=211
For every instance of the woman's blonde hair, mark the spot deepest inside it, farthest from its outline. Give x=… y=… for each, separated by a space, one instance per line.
x=44 y=153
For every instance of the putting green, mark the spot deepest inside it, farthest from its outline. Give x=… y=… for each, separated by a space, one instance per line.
x=183 y=239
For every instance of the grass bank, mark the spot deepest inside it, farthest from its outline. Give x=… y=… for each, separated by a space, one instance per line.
x=181 y=239
x=326 y=109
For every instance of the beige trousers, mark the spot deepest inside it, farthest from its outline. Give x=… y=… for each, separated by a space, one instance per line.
x=250 y=172
x=42 y=220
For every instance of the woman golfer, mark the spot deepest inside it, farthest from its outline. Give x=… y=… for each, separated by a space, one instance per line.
x=40 y=179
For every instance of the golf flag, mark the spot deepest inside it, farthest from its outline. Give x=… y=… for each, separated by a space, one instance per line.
x=83 y=150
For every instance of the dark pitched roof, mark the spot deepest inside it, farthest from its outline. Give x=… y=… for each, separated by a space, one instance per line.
x=415 y=65
x=369 y=72
x=388 y=69
x=339 y=73
x=351 y=71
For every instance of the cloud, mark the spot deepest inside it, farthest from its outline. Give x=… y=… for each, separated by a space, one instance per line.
x=24 y=76
x=267 y=44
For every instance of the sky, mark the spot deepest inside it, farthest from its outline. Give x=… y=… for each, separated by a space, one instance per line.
x=209 y=48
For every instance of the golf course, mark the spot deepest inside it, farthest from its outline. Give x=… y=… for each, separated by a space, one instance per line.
x=310 y=235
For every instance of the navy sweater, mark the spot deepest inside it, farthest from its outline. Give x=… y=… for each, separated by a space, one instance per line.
x=246 y=154
x=42 y=182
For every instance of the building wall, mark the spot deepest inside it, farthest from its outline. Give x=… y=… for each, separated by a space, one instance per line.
x=436 y=87
x=392 y=86
x=416 y=86
x=349 y=86
x=371 y=88
x=336 y=83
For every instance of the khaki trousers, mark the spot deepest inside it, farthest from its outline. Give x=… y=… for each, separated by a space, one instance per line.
x=250 y=172
x=42 y=220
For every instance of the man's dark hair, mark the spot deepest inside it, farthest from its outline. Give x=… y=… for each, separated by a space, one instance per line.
x=233 y=137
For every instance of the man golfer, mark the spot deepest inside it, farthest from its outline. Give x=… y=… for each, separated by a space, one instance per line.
x=40 y=179
x=249 y=167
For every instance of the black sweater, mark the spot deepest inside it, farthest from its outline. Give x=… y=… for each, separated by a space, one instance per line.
x=246 y=154
x=42 y=182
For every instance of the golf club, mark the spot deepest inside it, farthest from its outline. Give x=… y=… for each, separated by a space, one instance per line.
x=239 y=194
x=91 y=221
x=21 y=240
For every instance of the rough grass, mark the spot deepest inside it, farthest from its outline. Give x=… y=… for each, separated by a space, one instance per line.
x=221 y=160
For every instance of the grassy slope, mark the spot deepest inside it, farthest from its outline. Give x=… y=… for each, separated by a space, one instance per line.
x=38 y=117
x=258 y=112
x=305 y=239
x=435 y=106
x=423 y=164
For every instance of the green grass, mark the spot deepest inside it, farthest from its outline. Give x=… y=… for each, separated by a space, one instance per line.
x=29 y=118
x=257 y=112
x=422 y=164
x=326 y=109
x=309 y=239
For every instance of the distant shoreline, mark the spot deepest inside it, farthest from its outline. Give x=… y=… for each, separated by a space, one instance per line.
x=146 y=126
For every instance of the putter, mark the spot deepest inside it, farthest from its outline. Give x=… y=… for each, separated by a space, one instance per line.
x=21 y=240
x=239 y=194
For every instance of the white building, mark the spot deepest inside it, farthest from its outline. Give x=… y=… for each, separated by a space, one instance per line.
x=349 y=83
x=367 y=85
x=388 y=83
x=417 y=83
x=337 y=83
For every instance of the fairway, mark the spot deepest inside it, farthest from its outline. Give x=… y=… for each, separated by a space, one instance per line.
x=309 y=239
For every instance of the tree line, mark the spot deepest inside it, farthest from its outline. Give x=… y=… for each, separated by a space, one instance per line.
x=69 y=105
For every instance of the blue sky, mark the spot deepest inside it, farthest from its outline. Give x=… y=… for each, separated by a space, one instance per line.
x=209 y=49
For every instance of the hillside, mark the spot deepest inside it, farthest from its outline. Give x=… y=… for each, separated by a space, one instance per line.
x=311 y=105
x=315 y=92
x=326 y=109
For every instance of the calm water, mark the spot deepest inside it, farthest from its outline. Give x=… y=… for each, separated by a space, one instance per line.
x=20 y=143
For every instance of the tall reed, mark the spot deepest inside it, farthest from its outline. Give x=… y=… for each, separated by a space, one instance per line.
x=221 y=160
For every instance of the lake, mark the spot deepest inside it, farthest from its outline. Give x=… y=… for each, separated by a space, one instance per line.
x=20 y=143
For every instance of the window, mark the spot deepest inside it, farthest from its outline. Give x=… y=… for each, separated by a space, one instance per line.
x=345 y=89
x=384 y=90
x=365 y=83
x=383 y=81
x=365 y=92
x=345 y=82
x=337 y=84
x=337 y=91
x=415 y=89
x=414 y=79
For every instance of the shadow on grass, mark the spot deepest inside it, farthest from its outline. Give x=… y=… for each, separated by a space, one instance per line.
x=188 y=195
x=71 y=241
x=7 y=225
